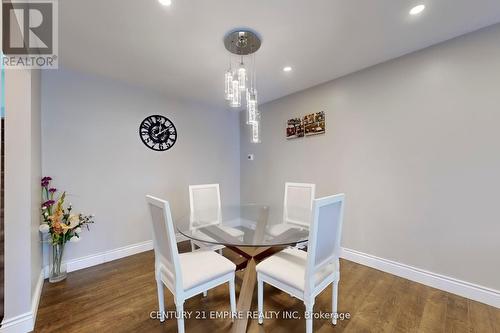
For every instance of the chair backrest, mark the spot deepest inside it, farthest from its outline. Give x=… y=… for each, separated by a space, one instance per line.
x=297 y=205
x=165 y=245
x=324 y=236
x=204 y=204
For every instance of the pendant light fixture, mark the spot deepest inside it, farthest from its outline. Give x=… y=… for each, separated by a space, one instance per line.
x=240 y=80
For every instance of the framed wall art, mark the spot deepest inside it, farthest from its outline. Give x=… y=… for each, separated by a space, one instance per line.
x=310 y=124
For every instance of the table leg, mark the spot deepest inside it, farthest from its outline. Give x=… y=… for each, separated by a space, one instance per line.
x=245 y=297
x=254 y=254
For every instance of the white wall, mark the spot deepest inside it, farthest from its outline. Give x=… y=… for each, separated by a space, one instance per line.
x=414 y=143
x=17 y=186
x=22 y=193
x=36 y=172
x=92 y=149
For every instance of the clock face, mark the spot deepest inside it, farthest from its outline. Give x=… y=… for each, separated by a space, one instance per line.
x=158 y=133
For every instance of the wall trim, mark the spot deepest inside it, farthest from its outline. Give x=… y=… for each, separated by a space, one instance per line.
x=37 y=295
x=455 y=286
x=105 y=256
x=22 y=323
x=25 y=322
x=110 y=255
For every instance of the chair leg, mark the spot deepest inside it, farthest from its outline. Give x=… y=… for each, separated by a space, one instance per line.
x=309 y=316
x=220 y=251
x=335 y=296
x=193 y=247
x=161 y=299
x=205 y=293
x=180 y=316
x=260 y=299
x=232 y=298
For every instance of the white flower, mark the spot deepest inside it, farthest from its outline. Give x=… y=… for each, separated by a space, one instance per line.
x=74 y=220
x=78 y=230
x=44 y=208
x=44 y=228
x=74 y=239
x=45 y=214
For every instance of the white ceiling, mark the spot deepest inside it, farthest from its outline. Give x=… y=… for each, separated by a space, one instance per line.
x=178 y=50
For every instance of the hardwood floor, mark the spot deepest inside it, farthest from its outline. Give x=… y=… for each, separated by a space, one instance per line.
x=119 y=296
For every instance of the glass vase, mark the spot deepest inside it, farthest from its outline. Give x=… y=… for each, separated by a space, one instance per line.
x=57 y=267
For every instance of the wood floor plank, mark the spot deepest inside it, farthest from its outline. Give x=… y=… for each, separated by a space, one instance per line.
x=411 y=307
x=494 y=315
x=479 y=316
x=369 y=310
x=457 y=314
x=434 y=314
x=118 y=297
x=390 y=305
x=352 y=298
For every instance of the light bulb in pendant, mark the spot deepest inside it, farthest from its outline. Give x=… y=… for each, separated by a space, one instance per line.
x=236 y=98
x=228 y=85
x=252 y=112
x=242 y=77
x=251 y=106
x=255 y=132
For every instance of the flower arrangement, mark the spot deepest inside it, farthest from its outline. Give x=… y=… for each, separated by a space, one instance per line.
x=62 y=226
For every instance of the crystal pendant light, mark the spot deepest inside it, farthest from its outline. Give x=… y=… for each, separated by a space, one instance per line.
x=240 y=81
x=251 y=105
x=256 y=132
x=242 y=76
x=228 y=85
x=236 y=98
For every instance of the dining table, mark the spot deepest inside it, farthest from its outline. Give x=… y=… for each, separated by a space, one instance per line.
x=253 y=242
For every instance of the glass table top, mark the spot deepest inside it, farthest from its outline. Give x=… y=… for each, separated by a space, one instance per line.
x=246 y=225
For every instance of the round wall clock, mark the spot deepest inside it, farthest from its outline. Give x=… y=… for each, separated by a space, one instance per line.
x=158 y=133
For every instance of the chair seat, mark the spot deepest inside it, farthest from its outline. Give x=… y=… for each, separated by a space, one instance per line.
x=203 y=266
x=230 y=230
x=278 y=229
x=289 y=267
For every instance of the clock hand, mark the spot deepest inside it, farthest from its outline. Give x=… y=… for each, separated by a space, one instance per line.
x=166 y=128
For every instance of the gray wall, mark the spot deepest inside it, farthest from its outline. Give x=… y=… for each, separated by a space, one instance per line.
x=414 y=144
x=92 y=149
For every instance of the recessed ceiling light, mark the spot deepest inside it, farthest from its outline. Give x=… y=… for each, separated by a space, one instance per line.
x=417 y=10
x=287 y=69
x=165 y=2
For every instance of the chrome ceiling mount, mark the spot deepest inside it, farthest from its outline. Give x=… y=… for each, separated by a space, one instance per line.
x=242 y=41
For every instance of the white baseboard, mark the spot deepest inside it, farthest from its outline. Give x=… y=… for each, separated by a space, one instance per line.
x=26 y=321
x=18 y=324
x=36 y=296
x=106 y=256
x=438 y=281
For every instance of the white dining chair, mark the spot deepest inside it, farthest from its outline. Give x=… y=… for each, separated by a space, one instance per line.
x=302 y=274
x=297 y=206
x=186 y=274
x=205 y=210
